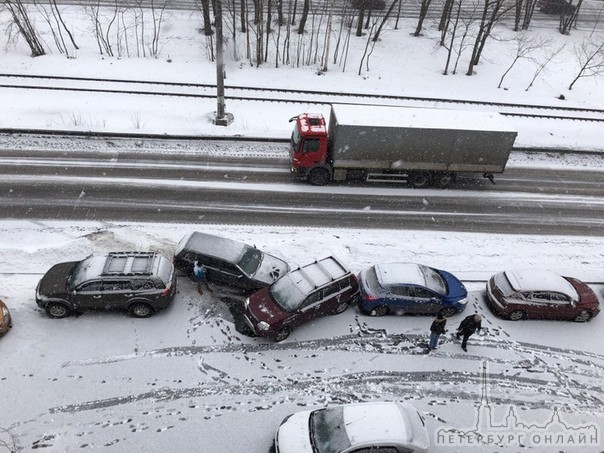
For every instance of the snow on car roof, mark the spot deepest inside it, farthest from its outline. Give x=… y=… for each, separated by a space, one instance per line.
x=367 y=422
x=540 y=280
x=396 y=273
x=417 y=117
x=209 y=244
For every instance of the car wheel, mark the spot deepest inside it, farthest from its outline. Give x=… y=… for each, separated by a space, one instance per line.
x=380 y=311
x=282 y=334
x=584 y=316
x=516 y=315
x=341 y=308
x=141 y=310
x=448 y=312
x=56 y=310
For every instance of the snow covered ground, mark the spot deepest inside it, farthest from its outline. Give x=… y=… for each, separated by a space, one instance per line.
x=186 y=380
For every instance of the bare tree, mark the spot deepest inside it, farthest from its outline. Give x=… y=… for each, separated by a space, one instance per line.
x=529 y=9
x=423 y=12
x=467 y=24
x=25 y=26
x=376 y=36
x=369 y=45
x=568 y=16
x=57 y=26
x=451 y=45
x=492 y=12
x=590 y=55
x=204 y=6
x=360 y=19
x=445 y=18
x=304 y=17
x=524 y=47
x=542 y=64
x=8 y=440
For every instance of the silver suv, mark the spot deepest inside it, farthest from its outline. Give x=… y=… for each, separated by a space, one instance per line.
x=139 y=282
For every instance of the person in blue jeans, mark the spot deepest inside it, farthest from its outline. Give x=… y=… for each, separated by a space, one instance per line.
x=200 y=275
x=436 y=330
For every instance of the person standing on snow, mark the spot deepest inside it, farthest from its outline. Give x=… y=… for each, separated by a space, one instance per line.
x=436 y=330
x=467 y=327
x=200 y=275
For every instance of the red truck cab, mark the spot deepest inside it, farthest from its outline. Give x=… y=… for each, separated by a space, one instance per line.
x=308 y=150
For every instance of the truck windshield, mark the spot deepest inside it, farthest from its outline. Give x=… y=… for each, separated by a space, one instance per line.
x=296 y=138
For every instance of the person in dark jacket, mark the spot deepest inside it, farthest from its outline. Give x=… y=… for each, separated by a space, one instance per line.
x=436 y=330
x=467 y=327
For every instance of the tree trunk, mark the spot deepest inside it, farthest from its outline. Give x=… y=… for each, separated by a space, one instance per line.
x=25 y=27
x=423 y=12
x=304 y=17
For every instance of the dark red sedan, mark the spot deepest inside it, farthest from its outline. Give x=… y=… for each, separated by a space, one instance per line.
x=540 y=294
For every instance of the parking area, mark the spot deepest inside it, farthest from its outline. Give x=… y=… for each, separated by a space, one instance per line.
x=190 y=378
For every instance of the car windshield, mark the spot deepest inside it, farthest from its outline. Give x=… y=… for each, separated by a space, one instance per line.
x=250 y=260
x=287 y=294
x=328 y=431
x=79 y=272
x=433 y=280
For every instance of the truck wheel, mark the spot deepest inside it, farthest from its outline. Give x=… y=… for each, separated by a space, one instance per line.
x=420 y=179
x=444 y=179
x=319 y=176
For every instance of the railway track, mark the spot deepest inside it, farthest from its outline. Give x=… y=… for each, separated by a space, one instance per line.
x=284 y=95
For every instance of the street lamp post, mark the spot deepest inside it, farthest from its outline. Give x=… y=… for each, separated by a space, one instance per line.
x=222 y=118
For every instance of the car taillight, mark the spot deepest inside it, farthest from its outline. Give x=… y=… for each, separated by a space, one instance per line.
x=166 y=292
x=370 y=297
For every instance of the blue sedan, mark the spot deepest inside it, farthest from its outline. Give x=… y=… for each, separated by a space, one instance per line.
x=407 y=288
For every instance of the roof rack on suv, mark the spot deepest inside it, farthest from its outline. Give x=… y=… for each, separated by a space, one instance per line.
x=323 y=265
x=129 y=263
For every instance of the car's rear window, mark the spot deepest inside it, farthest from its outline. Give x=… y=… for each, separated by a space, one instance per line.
x=502 y=282
x=371 y=280
x=165 y=270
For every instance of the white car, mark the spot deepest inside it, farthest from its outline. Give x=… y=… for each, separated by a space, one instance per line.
x=354 y=428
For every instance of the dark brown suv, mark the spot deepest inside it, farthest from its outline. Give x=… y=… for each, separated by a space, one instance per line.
x=317 y=289
x=139 y=282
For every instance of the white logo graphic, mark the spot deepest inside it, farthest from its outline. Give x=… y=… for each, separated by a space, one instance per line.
x=553 y=432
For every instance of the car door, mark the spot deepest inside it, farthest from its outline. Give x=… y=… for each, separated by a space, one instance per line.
x=310 y=308
x=400 y=299
x=220 y=271
x=116 y=293
x=560 y=306
x=331 y=296
x=425 y=301
x=87 y=295
x=537 y=305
